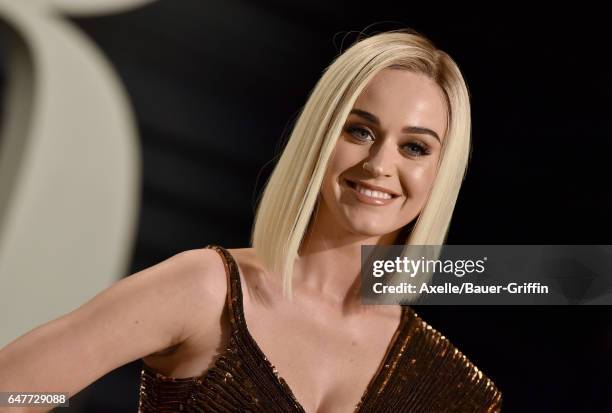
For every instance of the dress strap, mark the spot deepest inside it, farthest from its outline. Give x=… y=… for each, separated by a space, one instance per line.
x=234 y=294
x=234 y=290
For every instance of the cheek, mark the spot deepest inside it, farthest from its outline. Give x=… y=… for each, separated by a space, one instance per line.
x=328 y=187
x=419 y=181
x=346 y=155
x=342 y=159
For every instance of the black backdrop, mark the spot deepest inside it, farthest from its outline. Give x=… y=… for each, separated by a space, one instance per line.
x=215 y=86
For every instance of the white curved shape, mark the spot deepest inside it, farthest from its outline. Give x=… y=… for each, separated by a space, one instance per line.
x=69 y=172
x=94 y=7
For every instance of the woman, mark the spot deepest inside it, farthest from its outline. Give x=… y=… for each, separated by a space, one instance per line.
x=376 y=157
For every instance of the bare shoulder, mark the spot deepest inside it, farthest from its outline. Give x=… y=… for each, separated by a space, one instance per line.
x=209 y=271
x=252 y=268
x=200 y=311
x=194 y=286
x=206 y=285
x=258 y=284
x=242 y=253
x=204 y=315
x=251 y=265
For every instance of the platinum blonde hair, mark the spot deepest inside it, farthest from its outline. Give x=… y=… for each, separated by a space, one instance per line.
x=291 y=193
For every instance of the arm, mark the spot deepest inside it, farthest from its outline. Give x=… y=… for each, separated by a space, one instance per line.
x=142 y=314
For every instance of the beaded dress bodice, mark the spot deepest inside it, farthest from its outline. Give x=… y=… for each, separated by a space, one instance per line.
x=421 y=372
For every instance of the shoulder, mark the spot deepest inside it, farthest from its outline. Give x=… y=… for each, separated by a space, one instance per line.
x=203 y=270
x=200 y=276
x=251 y=266
x=209 y=273
x=206 y=271
x=259 y=285
x=244 y=256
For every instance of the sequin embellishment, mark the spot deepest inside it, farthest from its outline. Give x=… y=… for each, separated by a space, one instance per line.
x=421 y=372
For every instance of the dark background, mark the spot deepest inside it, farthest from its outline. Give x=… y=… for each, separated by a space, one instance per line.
x=216 y=85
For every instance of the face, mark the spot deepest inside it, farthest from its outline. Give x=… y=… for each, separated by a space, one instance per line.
x=397 y=125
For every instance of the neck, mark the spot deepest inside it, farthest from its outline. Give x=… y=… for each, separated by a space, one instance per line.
x=329 y=261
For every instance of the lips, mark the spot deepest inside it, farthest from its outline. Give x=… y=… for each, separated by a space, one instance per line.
x=353 y=186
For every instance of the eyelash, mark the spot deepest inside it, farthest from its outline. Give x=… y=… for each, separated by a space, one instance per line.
x=422 y=148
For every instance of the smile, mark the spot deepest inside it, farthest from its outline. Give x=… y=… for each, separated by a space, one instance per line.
x=370 y=196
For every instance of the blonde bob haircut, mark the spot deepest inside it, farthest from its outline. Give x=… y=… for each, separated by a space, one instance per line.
x=291 y=193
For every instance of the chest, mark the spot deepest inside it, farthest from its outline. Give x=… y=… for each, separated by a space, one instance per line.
x=327 y=360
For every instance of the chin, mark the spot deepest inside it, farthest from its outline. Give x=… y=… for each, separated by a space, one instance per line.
x=369 y=229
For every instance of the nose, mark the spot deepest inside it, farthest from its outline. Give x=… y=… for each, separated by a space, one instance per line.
x=380 y=163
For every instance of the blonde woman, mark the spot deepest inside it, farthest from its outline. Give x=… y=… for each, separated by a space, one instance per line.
x=377 y=156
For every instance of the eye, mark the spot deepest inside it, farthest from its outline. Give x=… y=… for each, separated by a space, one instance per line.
x=359 y=133
x=416 y=149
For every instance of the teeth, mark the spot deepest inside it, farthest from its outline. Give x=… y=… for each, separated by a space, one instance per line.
x=372 y=194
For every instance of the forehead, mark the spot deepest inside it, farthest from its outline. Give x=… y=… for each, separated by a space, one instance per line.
x=401 y=98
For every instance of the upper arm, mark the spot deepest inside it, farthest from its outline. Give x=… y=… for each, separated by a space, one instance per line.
x=137 y=316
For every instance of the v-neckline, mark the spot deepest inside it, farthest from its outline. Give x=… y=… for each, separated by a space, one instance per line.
x=386 y=360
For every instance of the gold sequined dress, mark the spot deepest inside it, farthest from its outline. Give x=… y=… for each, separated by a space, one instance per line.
x=421 y=372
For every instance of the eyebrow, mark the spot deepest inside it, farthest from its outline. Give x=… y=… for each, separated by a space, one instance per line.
x=407 y=129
